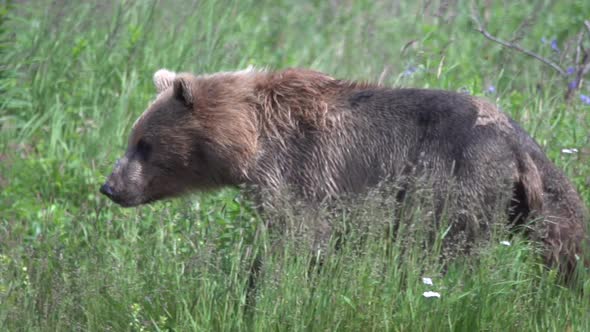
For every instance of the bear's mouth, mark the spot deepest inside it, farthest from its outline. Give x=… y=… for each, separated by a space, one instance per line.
x=121 y=201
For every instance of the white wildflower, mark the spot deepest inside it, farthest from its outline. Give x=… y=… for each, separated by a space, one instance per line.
x=506 y=243
x=431 y=294
x=569 y=151
x=427 y=281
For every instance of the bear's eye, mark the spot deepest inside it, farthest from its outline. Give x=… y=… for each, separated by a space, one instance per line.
x=143 y=149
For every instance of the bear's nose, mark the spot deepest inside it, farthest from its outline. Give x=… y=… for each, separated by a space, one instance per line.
x=106 y=190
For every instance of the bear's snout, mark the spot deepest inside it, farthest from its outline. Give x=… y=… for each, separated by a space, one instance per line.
x=113 y=189
x=106 y=190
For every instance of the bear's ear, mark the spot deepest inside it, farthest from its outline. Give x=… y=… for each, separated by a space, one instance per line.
x=163 y=79
x=183 y=88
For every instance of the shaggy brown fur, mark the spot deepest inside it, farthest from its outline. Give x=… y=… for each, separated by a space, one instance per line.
x=321 y=138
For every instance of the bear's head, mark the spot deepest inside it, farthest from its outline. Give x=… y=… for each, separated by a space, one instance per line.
x=199 y=133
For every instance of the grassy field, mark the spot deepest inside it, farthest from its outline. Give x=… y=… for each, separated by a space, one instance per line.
x=75 y=75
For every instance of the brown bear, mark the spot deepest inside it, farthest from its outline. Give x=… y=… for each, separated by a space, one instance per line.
x=320 y=138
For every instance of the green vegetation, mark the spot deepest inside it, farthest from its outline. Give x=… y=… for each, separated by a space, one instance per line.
x=74 y=77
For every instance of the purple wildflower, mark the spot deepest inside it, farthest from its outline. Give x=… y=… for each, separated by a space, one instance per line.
x=554 y=45
x=410 y=71
x=571 y=70
x=572 y=85
x=491 y=89
x=585 y=99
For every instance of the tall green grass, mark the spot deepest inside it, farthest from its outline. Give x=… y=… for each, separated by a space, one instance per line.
x=74 y=77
